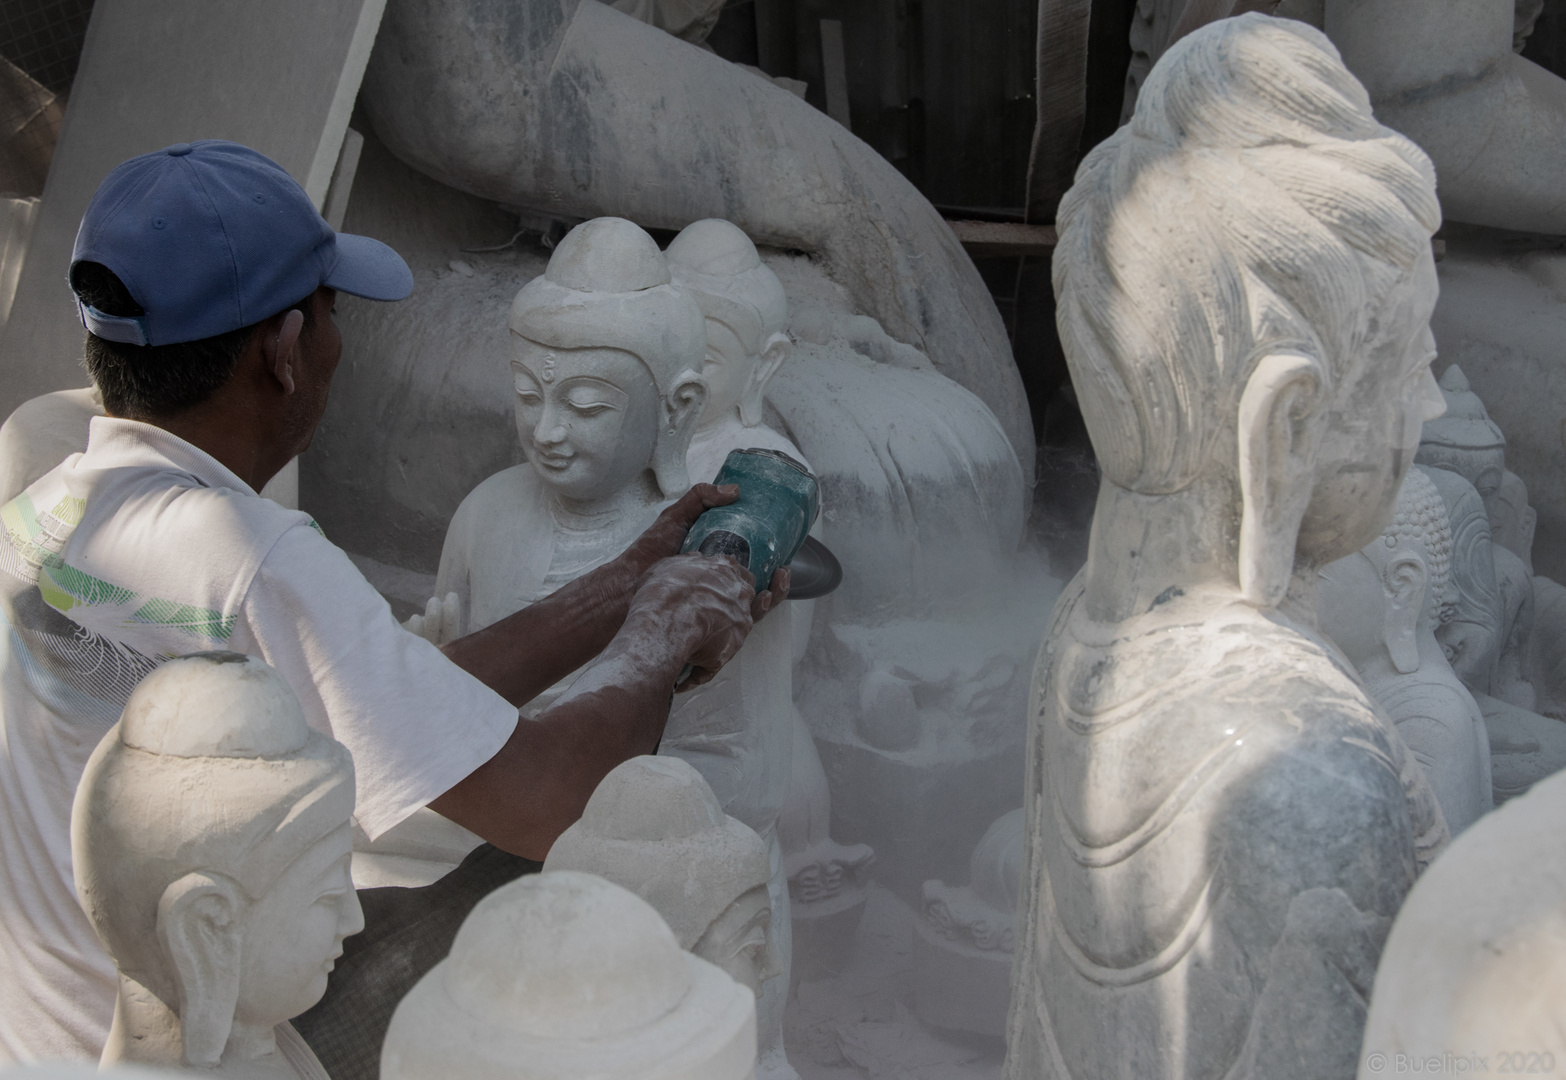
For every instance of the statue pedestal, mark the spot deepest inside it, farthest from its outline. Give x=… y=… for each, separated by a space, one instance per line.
x=824 y=934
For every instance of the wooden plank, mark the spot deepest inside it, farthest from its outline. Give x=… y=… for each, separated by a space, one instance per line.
x=1061 y=103
x=982 y=239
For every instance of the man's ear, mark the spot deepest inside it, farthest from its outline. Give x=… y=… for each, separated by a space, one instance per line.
x=1405 y=580
x=1278 y=433
x=199 y=919
x=280 y=348
x=777 y=349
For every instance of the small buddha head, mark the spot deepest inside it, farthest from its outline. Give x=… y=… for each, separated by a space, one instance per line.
x=654 y=826
x=1395 y=587
x=745 y=309
x=606 y=364
x=211 y=837
x=1244 y=284
x=1471 y=634
x=564 y=974
x=1464 y=439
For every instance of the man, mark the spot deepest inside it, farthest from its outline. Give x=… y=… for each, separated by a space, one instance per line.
x=206 y=281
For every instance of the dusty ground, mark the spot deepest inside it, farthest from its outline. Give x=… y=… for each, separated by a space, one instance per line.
x=859 y=1024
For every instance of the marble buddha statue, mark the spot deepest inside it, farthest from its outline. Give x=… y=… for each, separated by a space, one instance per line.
x=1474 y=971
x=1381 y=606
x=211 y=842
x=608 y=358
x=1220 y=824
x=654 y=826
x=563 y=975
x=606 y=372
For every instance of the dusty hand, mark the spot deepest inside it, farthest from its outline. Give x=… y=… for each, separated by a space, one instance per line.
x=701 y=604
x=664 y=537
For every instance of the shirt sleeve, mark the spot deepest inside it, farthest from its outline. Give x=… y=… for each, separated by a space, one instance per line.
x=415 y=723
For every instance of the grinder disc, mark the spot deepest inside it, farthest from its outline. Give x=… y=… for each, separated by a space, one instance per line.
x=814 y=572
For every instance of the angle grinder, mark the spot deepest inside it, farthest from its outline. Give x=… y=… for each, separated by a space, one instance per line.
x=768 y=526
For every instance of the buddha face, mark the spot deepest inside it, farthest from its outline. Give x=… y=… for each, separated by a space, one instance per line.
x=727 y=368
x=587 y=418
x=1373 y=426
x=1472 y=638
x=294 y=934
x=1351 y=606
x=740 y=940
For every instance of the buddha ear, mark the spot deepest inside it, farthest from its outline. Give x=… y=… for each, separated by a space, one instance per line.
x=777 y=349
x=199 y=928
x=1405 y=580
x=1278 y=435
x=682 y=409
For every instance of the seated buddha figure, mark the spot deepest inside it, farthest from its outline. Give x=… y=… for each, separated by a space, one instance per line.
x=1381 y=606
x=1220 y=825
x=211 y=840
x=608 y=353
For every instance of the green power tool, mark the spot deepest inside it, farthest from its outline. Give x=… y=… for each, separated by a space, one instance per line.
x=768 y=526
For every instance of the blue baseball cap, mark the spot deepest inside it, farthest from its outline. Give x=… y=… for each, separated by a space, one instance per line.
x=211 y=236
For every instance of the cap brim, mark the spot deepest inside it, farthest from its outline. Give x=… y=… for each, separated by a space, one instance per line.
x=370 y=269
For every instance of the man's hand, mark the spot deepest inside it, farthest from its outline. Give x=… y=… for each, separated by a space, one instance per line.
x=701 y=605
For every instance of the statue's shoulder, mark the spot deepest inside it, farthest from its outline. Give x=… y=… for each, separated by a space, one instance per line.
x=503 y=497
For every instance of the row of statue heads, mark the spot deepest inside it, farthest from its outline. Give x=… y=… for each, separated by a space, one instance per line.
x=212 y=844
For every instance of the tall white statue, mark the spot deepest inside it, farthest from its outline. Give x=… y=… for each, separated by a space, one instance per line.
x=1220 y=825
x=608 y=360
x=1381 y=606
x=655 y=827
x=211 y=839
x=562 y=975
x=1475 y=966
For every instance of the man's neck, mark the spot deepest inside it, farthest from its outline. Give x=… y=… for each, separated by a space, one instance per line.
x=233 y=444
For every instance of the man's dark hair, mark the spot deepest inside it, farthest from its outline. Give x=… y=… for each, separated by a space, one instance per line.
x=155 y=381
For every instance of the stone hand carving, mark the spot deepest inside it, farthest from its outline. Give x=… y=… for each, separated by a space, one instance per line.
x=1220 y=825
x=211 y=839
x=1381 y=606
x=563 y=974
x=1476 y=960
x=654 y=826
x=963 y=944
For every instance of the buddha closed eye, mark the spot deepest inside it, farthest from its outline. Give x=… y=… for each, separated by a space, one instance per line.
x=587 y=418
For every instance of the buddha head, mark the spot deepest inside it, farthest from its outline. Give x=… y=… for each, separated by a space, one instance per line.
x=1382 y=597
x=745 y=308
x=1244 y=284
x=1471 y=636
x=655 y=827
x=563 y=974
x=1465 y=440
x=211 y=841
x=606 y=362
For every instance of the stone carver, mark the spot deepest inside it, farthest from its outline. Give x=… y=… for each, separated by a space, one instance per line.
x=1220 y=826
x=1381 y=606
x=655 y=827
x=211 y=837
x=563 y=975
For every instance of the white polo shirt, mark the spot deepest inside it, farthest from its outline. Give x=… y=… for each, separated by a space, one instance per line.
x=140 y=550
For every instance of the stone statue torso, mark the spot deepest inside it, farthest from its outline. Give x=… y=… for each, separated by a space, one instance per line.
x=1212 y=798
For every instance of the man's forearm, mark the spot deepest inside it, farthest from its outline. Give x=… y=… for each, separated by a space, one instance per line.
x=526 y=653
x=524 y=797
